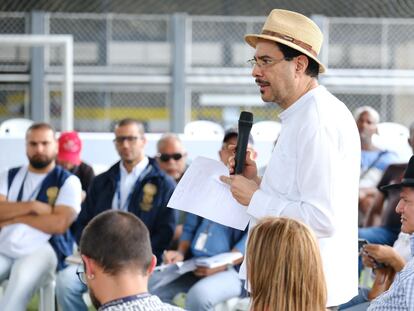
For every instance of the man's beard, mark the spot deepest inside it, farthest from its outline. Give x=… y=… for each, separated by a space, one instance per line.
x=366 y=138
x=94 y=300
x=40 y=162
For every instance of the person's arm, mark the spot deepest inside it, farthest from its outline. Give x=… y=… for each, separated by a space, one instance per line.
x=10 y=210
x=243 y=186
x=55 y=223
x=366 y=199
x=178 y=255
x=88 y=177
x=162 y=231
x=383 y=254
x=190 y=226
x=88 y=210
x=315 y=174
x=374 y=213
x=62 y=214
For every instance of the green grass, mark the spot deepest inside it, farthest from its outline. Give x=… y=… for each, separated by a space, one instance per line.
x=34 y=304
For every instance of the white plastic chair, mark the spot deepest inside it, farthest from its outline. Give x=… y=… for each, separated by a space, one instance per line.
x=203 y=128
x=46 y=295
x=266 y=130
x=15 y=127
x=393 y=136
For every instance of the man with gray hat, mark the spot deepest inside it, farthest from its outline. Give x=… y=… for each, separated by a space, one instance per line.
x=313 y=172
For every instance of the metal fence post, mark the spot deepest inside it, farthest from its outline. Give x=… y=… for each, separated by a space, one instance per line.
x=323 y=23
x=40 y=111
x=180 y=111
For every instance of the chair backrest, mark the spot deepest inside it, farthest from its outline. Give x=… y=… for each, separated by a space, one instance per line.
x=266 y=130
x=15 y=127
x=393 y=136
x=203 y=128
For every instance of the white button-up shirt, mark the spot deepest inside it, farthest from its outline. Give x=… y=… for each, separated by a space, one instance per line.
x=127 y=183
x=313 y=177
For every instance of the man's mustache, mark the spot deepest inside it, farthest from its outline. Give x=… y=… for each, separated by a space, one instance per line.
x=262 y=82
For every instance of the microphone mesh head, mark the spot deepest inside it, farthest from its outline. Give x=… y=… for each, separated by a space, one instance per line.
x=246 y=116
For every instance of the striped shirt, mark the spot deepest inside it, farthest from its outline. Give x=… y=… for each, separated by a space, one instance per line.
x=141 y=302
x=400 y=295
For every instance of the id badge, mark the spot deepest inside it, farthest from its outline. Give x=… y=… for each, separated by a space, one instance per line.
x=201 y=241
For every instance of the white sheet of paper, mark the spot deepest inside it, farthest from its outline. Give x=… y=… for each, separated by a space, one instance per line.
x=218 y=260
x=201 y=192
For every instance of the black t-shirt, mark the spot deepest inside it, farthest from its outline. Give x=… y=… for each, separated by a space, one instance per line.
x=85 y=174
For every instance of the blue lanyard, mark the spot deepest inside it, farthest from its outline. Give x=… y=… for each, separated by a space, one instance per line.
x=118 y=189
x=33 y=194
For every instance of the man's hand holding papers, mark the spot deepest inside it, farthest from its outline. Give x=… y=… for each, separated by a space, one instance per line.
x=201 y=192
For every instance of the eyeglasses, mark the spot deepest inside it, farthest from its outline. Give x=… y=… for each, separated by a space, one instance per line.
x=165 y=157
x=80 y=271
x=266 y=61
x=129 y=139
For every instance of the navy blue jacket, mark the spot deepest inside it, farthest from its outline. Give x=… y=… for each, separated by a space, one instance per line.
x=61 y=243
x=153 y=211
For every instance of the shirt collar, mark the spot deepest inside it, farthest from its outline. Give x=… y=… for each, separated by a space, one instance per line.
x=285 y=114
x=137 y=170
x=122 y=300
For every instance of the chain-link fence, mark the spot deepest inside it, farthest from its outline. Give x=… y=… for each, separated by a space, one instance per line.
x=124 y=67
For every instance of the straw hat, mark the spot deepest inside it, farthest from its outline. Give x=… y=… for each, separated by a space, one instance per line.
x=294 y=30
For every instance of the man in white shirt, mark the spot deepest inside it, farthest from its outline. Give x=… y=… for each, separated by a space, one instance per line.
x=38 y=203
x=313 y=173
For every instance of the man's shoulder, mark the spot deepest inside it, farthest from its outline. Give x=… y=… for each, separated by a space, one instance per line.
x=85 y=167
x=324 y=110
x=110 y=173
x=157 y=173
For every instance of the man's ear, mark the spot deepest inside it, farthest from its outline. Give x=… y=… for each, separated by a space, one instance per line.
x=152 y=265
x=90 y=267
x=144 y=139
x=302 y=62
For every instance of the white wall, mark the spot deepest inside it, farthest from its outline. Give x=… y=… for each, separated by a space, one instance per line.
x=99 y=150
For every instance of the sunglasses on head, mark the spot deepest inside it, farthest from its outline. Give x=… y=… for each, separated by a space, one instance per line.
x=165 y=157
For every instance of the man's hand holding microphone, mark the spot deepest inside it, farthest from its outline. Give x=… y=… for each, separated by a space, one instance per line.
x=243 y=180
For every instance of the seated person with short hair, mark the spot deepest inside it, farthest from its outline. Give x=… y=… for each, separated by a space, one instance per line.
x=38 y=203
x=117 y=260
x=201 y=237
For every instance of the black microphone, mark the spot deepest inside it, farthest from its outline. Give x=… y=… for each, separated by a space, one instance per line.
x=245 y=125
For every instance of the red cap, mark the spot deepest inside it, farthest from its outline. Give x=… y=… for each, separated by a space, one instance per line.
x=70 y=147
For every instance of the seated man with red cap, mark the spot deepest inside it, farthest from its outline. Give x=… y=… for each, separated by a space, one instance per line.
x=70 y=147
